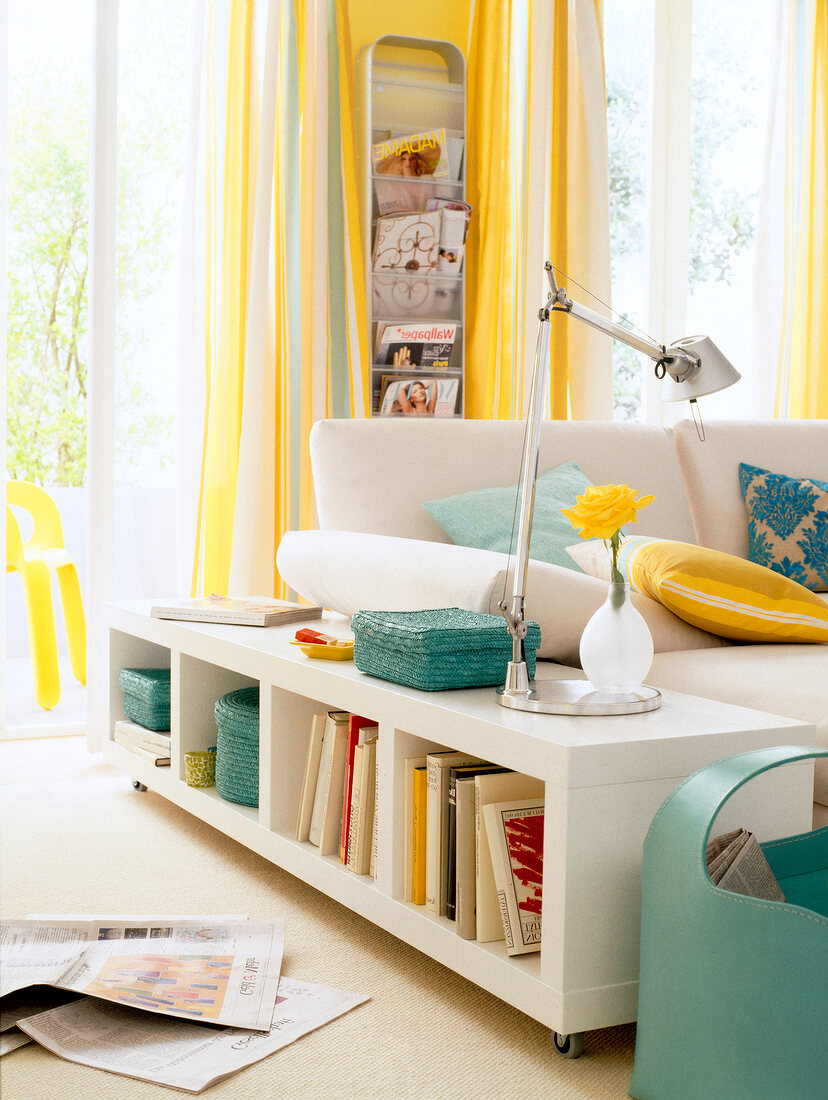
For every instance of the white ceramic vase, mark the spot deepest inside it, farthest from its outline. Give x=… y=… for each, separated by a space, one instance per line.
x=616 y=646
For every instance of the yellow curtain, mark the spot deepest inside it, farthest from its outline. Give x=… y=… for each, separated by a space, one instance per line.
x=283 y=312
x=538 y=179
x=228 y=217
x=319 y=279
x=802 y=390
x=581 y=359
x=493 y=385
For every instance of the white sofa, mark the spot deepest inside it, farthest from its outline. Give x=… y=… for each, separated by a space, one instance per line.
x=376 y=546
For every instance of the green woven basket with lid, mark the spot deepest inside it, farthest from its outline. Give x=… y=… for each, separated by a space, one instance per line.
x=438 y=649
x=147 y=696
x=237 y=748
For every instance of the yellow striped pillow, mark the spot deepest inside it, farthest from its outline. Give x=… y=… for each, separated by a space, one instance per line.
x=724 y=594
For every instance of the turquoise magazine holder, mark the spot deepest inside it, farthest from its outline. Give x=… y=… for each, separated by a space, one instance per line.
x=733 y=992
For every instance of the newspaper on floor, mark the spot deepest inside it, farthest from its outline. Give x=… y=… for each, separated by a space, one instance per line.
x=183 y=1055
x=219 y=972
x=26 y=1002
x=736 y=862
x=12 y=1039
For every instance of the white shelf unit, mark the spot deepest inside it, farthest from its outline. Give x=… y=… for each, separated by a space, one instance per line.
x=604 y=780
x=407 y=85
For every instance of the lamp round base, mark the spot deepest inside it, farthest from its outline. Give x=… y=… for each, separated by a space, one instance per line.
x=578 y=697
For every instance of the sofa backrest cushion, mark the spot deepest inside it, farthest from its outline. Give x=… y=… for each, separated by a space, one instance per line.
x=374 y=475
x=797 y=448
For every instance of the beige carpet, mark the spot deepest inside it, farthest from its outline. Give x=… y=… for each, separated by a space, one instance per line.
x=77 y=839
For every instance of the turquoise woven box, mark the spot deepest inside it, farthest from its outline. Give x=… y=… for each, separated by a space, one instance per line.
x=438 y=649
x=147 y=696
x=237 y=748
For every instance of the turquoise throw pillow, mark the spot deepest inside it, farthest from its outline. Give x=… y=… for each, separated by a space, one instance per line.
x=484 y=518
x=787 y=524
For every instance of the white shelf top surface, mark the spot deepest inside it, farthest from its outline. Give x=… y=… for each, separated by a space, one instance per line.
x=577 y=750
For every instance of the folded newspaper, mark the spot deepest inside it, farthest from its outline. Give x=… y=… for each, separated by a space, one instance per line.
x=736 y=862
x=148 y=1002
x=220 y=973
x=181 y=1054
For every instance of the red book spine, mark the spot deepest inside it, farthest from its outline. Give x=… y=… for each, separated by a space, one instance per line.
x=355 y=724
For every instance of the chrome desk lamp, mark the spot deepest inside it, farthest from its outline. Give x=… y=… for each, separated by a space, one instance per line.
x=688 y=369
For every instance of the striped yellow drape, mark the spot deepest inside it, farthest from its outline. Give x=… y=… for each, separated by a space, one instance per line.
x=228 y=212
x=494 y=188
x=323 y=367
x=538 y=179
x=284 y=319
x=581 y=384
x=355 y=304
x=802 y=389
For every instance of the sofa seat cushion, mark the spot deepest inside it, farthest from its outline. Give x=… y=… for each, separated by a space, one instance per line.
x=785 y=680
x=714 y=591
x=349 y=571
x=787 y=524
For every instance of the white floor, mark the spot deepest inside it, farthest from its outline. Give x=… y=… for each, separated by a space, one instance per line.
x=24 y=718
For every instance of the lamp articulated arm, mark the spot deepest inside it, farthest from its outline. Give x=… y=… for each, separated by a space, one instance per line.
x=683 y=376
x=680 y=364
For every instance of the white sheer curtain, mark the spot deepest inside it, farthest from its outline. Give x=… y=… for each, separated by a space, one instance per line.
x=770 y=243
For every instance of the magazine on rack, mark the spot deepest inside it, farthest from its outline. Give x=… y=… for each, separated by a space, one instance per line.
x=424 y=154
x=408 y=243
x=426 y=344
x=419 y=396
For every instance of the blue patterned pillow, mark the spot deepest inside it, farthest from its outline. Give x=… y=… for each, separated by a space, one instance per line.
x=787 y=524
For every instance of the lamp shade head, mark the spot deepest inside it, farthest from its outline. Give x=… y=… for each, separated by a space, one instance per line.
x=715 y=372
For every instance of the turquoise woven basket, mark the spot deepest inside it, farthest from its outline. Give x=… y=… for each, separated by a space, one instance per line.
x=237 y=749
x=438 y=649
x=147 y=696
x=731 y=1001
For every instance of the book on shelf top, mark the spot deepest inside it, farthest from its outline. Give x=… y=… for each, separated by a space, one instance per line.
x=238 y=611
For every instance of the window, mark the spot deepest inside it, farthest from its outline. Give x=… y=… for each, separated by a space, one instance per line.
x=49 y=51
x=687 y=143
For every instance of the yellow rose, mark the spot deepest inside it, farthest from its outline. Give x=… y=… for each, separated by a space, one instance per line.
x=604 y=509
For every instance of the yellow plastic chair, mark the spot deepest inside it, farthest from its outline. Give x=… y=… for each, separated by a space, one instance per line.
x=35 y=560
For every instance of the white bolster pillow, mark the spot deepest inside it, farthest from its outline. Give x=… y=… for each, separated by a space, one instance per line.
x=350 y=571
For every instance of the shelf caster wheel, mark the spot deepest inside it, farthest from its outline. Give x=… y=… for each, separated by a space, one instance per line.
x=137 y=785
x=568 y=1046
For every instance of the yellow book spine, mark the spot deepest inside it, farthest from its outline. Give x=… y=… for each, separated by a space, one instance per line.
x=418 y=832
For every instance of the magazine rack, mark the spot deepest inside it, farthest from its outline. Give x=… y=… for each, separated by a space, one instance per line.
x=732 y=989
x=408 y=86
